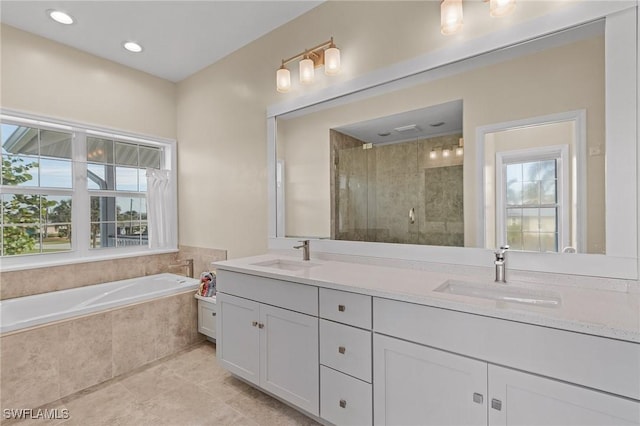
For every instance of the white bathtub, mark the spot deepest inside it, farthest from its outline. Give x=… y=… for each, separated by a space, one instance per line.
x=28 y=311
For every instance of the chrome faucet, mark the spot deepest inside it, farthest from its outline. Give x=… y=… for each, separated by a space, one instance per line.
x=305 y=249
x=185 y=262
x=501 y=270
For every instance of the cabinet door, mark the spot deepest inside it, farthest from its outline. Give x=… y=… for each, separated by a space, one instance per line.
x=238 y=338
x=525 y=399
x=289 y=366
x=418 y=385
x=207 y=318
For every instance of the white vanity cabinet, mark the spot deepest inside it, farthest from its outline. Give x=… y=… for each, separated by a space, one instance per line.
x=415 y=384
x=519 y=398
x=262 y=338
x=345 y=358
x=449 y=375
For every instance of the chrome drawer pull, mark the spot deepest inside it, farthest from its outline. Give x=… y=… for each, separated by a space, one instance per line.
x=341 y=308
x=341 y=349
x=496 y=404
x=478 y=398
x=343 y=403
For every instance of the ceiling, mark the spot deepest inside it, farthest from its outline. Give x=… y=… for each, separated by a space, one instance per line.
x=421 y=123
x=179 y=37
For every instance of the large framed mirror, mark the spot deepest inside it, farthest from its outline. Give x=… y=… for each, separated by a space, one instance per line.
x=531 y=144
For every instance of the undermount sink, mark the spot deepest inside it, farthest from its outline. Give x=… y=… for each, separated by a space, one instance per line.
x=286 y=265
x=501 y=292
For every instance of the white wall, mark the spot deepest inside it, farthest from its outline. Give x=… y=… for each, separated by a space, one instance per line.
x=46 y=78
x=222 y=109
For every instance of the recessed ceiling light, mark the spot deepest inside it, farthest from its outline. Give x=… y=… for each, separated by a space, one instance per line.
x=132 y=46
x=384 y=134
x=438 y=124
x=59 y=16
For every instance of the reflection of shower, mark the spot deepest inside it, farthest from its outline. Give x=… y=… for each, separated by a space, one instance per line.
x=394 y=194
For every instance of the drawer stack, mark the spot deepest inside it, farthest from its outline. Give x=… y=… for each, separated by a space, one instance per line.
x=345 y=357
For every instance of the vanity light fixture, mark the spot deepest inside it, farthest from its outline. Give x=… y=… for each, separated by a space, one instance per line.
x=132 y=46
x=60 y=17
x=433 y=154
x=460 y=148
x=451 y=13
x=450 y=16
x=326 y=54
x=446 y=152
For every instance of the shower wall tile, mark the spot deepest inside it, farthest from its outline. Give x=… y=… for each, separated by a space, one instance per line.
x=347 y=162
x=85 y=352
x=29 y=368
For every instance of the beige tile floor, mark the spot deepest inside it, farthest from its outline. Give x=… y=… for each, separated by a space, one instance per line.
x=188 y=388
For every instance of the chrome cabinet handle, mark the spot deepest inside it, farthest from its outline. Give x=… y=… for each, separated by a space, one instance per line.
x=343 y=403
x=478 y=398
x=496 y=404
x=261 y=325
x=341 y=308
x=412 y=215
x=254 y=323
x=341 y=349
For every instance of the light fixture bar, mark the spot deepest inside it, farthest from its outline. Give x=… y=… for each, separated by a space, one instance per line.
x=325 y=53
x=316 y=54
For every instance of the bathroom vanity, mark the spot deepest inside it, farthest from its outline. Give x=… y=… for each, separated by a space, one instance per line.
x=361 y=344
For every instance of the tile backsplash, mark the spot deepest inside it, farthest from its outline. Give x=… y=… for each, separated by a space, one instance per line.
x=42 y=280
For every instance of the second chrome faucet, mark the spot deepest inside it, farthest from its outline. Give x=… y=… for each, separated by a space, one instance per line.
x=305 y=249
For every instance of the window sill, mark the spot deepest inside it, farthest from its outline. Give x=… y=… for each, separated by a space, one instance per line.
x=21 y=263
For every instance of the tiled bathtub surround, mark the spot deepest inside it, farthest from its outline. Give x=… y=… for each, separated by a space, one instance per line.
x=42 y=280
x=46 y=363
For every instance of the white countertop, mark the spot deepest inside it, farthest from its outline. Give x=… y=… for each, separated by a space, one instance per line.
x=606 y=313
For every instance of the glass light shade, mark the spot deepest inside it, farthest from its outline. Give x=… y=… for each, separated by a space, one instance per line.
x=332 y=61
x=498 y=8
x=459 y=151
x=433 y=155
x=450 y=16
x=446 y=152
x=283 y=80
x=306 y=71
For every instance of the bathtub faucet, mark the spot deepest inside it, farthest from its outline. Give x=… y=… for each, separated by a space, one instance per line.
x=185 y=262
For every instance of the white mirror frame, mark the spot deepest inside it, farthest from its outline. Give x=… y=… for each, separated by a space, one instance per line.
x=622 y=157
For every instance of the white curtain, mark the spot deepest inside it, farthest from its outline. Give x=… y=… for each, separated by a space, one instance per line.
x=158 y=211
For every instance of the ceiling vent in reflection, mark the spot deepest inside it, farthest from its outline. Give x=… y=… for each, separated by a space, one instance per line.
x=408 y=128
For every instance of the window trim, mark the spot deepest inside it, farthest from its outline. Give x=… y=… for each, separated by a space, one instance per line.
x=81 y=194
x=560 y=153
